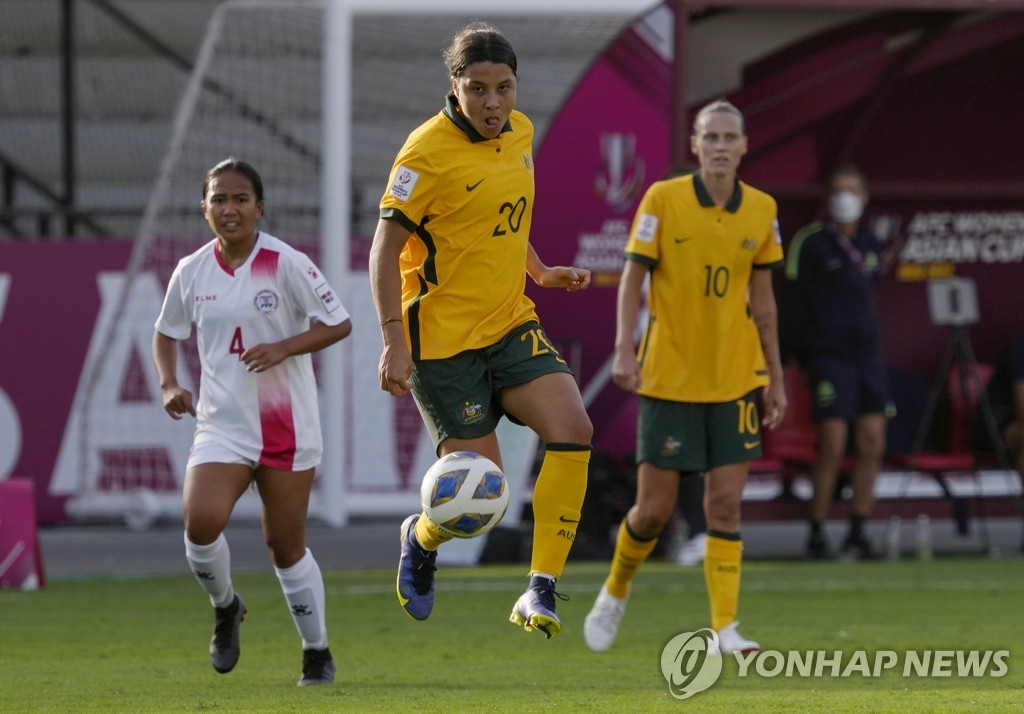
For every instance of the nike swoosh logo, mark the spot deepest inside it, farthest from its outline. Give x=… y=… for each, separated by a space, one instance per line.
x=470 y=188
x=563 y=519
x=750 y=444
x=682 y=240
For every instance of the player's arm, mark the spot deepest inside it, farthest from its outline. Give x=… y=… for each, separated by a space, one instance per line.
x=265 y=355
x=765 y=315
x=625 y=367
x=177 y=401
x=572 y=279
x=386 y=285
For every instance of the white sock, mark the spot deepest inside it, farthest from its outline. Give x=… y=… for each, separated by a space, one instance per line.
x=303 y=587
x=211 y=564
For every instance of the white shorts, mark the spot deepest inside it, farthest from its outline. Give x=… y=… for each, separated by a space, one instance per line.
x=206 y=451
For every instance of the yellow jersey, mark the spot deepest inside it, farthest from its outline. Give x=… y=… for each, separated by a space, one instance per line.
x=700 y=343
x=467 y=202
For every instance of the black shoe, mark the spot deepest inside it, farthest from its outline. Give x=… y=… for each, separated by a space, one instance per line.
x=317 y=667
x=817 y=547
x=224 y=647
x=858 y=548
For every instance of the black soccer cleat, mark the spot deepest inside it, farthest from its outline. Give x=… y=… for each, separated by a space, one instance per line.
x=317 y=667
x=224 y=647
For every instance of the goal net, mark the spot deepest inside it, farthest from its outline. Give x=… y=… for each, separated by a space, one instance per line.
x=260 y=92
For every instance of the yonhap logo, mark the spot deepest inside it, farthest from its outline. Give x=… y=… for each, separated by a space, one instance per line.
x=686 y=664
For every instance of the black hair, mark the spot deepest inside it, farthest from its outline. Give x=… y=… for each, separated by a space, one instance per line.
x=478 y=42
x=238 y=166
x=847 y=170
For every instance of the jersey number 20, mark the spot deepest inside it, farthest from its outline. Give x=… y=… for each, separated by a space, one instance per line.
x=513 y=220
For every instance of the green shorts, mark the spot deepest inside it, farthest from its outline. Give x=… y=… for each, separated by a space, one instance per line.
x=691 y=437
x=458 y=396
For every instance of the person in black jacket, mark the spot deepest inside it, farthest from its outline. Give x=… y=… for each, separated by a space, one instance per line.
x=831 y=271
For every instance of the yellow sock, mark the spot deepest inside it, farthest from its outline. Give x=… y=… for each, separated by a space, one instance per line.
x=722 y=575
x=630 y=554
x=429 y=536
x=557 y=501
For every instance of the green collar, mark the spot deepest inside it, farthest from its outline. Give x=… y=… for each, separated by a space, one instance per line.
x=451 y=111
x=732 y=205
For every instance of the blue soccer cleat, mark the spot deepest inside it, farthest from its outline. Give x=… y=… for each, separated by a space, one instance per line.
x=415 y=573
x=535 y=609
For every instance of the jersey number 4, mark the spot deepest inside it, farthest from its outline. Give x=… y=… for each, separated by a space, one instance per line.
x=237 y=346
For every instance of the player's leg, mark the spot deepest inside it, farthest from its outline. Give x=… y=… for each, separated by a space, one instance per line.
x=536 y=388
x=285 y=497
x=691 y=503
x=730 y=450
x=211 y=490
x=455 y=401
x=671 y=439
x=723 y=558
x=638 y=534
x=551 y=405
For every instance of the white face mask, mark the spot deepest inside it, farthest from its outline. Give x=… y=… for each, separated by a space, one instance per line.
x=845 y=207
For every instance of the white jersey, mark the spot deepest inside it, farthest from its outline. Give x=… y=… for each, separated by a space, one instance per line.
x=271 y=417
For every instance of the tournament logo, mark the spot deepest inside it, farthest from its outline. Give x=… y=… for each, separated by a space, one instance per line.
x=528 y=162
x=266 y=301
x=404 y=183
x=647 y=227
x=622 y=171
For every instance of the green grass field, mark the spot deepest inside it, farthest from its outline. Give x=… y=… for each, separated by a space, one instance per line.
x=139 y=645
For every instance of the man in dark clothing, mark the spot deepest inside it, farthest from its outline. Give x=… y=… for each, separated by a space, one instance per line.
x=831 y=272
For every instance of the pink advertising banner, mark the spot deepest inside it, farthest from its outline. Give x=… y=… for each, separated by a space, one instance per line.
x=49 y=302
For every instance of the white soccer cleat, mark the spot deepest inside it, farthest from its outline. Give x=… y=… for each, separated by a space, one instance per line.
x=692 y=552
x=732 y=642
x=602 y=623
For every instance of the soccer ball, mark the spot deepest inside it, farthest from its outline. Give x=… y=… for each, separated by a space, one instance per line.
x=464 y=494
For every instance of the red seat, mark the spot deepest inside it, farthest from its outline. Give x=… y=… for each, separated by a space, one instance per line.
x=963 y=387
x=793 y=446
